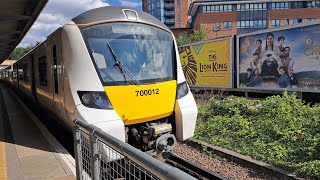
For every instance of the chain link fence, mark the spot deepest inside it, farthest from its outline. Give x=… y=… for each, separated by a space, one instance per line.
x=101 y=156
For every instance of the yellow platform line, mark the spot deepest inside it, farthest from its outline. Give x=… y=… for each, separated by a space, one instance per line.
x=3 y=161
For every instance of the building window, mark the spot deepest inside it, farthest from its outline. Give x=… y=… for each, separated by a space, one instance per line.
x=179 y=18
x=252 y=24
x=275 y=23
x=296 y=21
x=313 y=4
x=204 y=9
x=227 y=25
x=298 y=4
x=217 y=8
x=42 y=71
x=227 y=7
x=178 y=9
x=251 y=7
x=312 y=19
x=280 y=5
x=178 y=2
x=217 y=26
x=287 y=22
x=179 y=25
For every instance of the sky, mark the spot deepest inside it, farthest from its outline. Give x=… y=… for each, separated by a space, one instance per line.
x=59 y=12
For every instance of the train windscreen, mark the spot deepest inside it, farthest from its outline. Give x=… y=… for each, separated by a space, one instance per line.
x=130 y=53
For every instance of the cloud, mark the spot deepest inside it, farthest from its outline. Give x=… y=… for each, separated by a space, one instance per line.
x=56 y=14
x=129 y=3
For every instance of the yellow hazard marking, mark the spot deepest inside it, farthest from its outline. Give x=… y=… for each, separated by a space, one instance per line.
x=141 y=103
x=3 y=161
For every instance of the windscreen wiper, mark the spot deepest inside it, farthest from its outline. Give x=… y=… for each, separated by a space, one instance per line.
x=122 y=67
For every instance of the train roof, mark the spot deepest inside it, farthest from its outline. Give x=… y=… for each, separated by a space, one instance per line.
x=116 y=13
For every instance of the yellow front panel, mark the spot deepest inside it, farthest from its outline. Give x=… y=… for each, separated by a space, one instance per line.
x=142 y=103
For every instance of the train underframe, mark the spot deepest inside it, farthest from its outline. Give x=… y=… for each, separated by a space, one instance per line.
x=155 y=138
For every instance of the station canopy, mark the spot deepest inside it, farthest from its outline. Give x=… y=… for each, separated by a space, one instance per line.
x=16 y=18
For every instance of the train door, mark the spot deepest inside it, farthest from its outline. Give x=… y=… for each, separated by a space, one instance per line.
x=58 y=104
x=16 y=78
x=33 y=78
x=18 y=75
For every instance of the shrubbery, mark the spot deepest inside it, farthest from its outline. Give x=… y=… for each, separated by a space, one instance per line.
x=280 y=130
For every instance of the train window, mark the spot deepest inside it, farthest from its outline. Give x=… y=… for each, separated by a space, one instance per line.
x=145 y=52
x=20 y=74
x=14 y=73
x=25 y=74
x=43 y=71
x=55 y=69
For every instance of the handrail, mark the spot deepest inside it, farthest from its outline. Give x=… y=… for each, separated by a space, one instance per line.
x=157 y=168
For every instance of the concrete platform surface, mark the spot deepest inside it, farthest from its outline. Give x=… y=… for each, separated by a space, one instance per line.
x=27 y=149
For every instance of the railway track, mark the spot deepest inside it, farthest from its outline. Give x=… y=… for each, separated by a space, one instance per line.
x=192 y=168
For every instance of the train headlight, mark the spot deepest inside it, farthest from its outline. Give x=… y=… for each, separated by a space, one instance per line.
x=98 y=100
x=182 y=90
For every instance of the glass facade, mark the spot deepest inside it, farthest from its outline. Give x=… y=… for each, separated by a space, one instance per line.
x=254 y=16
x=164 y=10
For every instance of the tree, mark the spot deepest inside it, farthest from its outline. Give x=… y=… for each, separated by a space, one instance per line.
x=19 y=52
x=198 y=35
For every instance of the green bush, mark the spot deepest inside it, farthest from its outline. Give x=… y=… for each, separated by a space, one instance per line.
x=281 y=130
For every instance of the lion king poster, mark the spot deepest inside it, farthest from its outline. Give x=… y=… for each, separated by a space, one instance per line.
x=208 y=63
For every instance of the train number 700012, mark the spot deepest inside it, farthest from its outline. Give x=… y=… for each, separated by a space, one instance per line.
x=147 y=92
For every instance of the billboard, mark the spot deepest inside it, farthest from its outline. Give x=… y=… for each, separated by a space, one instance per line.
x=281 y=58
x=208 y=63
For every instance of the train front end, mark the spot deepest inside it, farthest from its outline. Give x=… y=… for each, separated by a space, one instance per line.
x=139 y=68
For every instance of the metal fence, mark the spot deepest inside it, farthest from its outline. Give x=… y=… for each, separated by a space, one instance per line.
x=101 y=156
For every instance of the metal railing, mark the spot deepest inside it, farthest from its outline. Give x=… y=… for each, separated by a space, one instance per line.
x=101 y=156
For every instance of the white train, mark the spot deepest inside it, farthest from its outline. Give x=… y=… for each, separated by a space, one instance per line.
x=116 y=68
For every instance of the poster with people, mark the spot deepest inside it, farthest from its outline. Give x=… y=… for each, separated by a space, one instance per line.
x=208 y=63
x=280 y=58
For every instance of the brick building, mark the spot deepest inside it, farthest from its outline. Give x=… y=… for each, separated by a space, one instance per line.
x=224 y=18
x=173 y=13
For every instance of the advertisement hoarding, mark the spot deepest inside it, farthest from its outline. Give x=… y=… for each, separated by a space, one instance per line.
x=281 y=58
x=208 y=63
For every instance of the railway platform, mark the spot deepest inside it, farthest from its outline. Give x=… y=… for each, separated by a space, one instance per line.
x=27 y=149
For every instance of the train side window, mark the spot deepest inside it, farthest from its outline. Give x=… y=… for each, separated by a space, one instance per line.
x=15 y=71
x=55 y=69
x=20 y=72
x=25 y=72
x=43 y=71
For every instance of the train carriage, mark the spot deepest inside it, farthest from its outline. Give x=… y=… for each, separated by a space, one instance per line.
x=118 y=69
